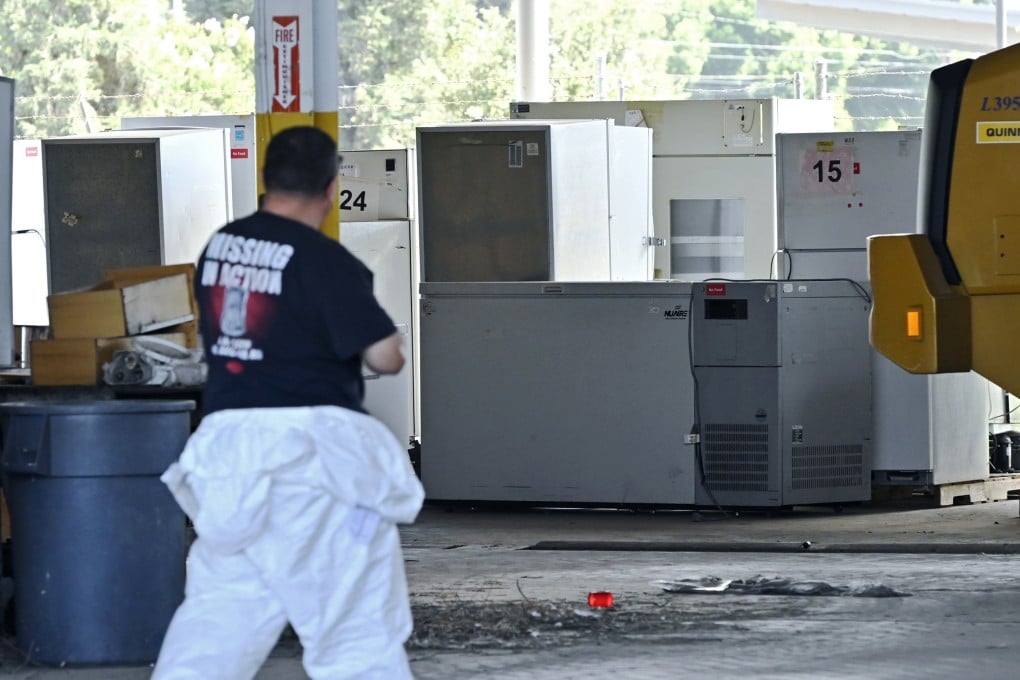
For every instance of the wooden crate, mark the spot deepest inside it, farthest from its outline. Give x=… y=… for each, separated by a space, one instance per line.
x=79 y=361
x=109 y=310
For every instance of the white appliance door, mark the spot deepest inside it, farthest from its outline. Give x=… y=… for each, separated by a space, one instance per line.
x=385 y=248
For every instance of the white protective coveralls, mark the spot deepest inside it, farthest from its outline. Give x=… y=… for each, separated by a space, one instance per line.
x=295 y=511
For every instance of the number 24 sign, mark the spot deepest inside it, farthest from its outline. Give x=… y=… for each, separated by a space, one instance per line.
x=359 y=200
x=828 y=172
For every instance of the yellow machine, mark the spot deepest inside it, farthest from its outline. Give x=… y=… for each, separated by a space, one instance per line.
x=947 y=299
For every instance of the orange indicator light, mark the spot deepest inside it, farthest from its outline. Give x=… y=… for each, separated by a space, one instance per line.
x=913 y=323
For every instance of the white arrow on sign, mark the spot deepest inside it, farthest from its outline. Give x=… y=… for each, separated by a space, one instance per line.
x=285 y=43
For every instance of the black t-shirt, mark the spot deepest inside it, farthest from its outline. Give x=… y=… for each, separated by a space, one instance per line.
x=285 y=313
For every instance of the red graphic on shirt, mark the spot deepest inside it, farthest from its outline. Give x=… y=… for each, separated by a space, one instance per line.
x=260 y=310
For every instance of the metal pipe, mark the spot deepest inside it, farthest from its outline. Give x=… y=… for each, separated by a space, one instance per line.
x=821 y=79
x=600 y=77
x=326 y=65
x=532 y=50
x=1000 y=23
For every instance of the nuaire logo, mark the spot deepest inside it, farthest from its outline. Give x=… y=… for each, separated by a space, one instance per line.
x=677 y=312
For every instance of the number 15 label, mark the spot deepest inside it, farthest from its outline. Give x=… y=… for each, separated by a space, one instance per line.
x=828 y=172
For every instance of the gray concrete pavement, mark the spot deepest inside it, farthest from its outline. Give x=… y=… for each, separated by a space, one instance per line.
x=487 y=607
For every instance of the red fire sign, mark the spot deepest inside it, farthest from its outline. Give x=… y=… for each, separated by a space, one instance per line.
x=286 y=64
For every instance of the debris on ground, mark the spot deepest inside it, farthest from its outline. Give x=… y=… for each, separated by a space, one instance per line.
x=774 y=586
x=529 y=624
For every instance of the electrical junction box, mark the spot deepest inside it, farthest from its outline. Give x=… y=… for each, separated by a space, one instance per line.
x=714 y=175
x=783 y=391
x=131 y=198
x=513 y=200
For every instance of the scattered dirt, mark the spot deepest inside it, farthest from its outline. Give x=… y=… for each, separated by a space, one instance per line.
x=536 y=624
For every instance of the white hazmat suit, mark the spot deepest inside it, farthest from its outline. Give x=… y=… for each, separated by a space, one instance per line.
x=295 y=511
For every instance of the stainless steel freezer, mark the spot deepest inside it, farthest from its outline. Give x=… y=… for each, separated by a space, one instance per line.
x=714 y=175
x=556 y=393
x=241 y=151
x=131 y=198
x=835 y=190
x=783 y=391
x=512 y=200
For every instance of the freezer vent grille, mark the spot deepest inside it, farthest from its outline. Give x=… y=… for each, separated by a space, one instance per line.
x=827 y=467
x=736 y=456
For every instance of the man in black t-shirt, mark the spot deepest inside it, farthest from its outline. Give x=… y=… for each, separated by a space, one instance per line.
x=294 y=491
x=286 y=312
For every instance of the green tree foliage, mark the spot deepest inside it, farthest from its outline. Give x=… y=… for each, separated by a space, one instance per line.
x=457 y=64
x=463 y=65
x=81 y=65
x=52 y=50
x=192 y=68
x=627 y=36
x=202 y=10
x=874 y=84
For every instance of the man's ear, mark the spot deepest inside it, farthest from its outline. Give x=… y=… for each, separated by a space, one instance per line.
x=332 y=191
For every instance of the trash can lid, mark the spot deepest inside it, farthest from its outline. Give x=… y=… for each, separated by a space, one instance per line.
x=96 y=406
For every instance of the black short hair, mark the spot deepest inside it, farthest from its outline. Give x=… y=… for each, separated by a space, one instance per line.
x=300 y=160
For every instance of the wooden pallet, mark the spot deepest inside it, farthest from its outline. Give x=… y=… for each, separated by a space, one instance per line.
x=995 y=488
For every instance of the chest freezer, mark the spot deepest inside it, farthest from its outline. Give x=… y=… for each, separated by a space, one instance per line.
x=556 y=393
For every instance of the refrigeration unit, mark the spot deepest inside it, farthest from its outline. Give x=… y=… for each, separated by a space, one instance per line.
x=240 y=153
x=714 y=175
x=534 y=200
x=782 y=392
x=556 y=393
x=131 y=198
x=835 y=190
x=29 y=281
x=377 y=224
x=7 y=357
x=378 y=185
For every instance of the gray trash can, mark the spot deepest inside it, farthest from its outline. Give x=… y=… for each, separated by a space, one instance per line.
x=97 y=541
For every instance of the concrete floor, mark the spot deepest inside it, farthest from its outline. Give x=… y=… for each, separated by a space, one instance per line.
x=486 y=605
